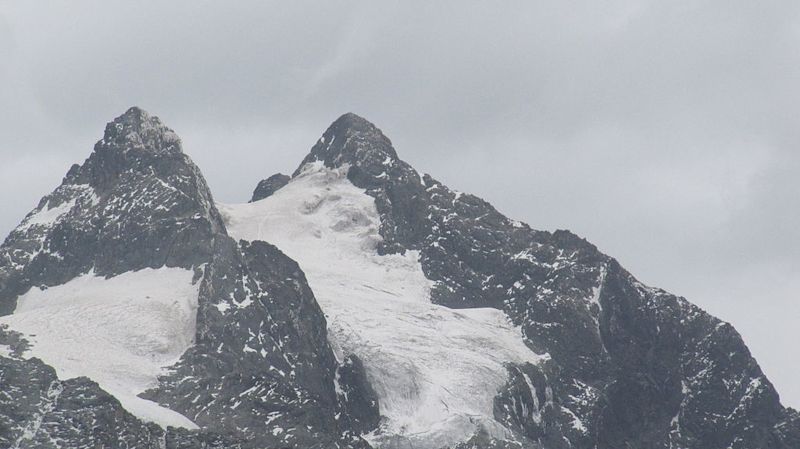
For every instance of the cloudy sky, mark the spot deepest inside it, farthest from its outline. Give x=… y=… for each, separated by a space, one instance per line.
x=665 y=132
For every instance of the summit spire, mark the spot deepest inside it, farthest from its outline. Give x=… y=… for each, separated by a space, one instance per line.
x=138 y=130
x=351 y=139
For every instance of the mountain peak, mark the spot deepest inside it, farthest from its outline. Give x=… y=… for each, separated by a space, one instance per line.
x=135 y=113
x=351 y=140
x=138 y=130
x=126 y=203
x=352 y=121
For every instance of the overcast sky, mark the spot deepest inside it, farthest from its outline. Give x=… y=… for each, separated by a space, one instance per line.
x=665 y=132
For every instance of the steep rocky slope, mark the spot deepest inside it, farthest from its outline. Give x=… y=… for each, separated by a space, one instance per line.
x=626 y=365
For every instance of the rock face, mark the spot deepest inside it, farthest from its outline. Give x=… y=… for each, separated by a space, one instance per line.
x=261 y=368
x=62 y=412
x=259 y=371
x=358 y=400
x=621 y=364
x=136 y=202
x=631 y=366
x=269 y=186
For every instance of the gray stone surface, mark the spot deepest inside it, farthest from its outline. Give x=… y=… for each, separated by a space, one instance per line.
x=358 y=401
x=268 y=186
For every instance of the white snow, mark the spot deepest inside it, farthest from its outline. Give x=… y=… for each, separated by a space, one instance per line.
x=120 y=332
x=47 y=215
x=597 y=289
x=436 y=370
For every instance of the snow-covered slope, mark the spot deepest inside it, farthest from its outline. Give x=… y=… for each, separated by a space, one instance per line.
x=436 y=370
x=119 y=332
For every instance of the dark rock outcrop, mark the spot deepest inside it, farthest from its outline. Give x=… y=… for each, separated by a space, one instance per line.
x=268 y=186
x=37 y=410
x=358 y=400
x=262 y=368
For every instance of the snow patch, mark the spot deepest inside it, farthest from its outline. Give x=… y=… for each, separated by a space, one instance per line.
x=598 y=289
x=47 y=215
x=436 y=370
x=120 y=332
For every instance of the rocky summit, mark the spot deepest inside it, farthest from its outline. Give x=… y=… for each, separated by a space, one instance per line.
x=354 y=304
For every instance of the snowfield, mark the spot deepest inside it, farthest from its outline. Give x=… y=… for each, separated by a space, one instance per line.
x=436 y=370
x=120 y=332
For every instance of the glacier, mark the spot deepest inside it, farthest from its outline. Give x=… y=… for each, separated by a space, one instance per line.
x=436 y=370
x=120 y=332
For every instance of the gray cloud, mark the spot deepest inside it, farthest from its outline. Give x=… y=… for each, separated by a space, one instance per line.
x=664 y=132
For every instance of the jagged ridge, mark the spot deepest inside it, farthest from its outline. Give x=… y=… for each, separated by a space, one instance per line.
x=632 y=366
x=627 y=366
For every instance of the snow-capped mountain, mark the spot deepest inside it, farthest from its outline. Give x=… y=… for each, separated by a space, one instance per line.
x=137 y=322
x=356 y=303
